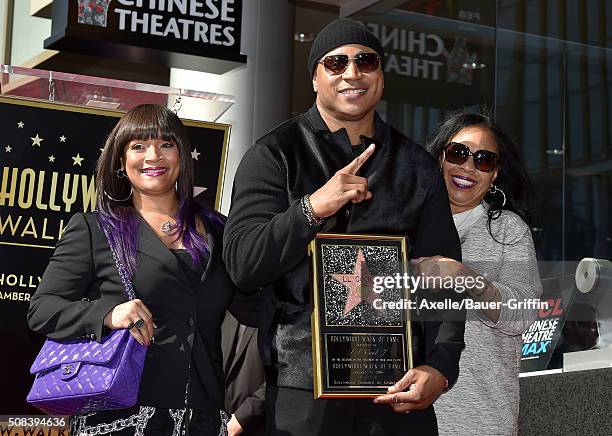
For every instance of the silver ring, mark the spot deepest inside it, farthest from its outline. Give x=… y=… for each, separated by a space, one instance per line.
x=139 y=324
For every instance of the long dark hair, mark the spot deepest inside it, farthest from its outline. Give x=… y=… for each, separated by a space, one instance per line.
x=116 y=211
x=512 y=177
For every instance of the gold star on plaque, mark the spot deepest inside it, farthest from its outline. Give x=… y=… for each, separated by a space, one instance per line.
x=62 y=138
x=20 y=125
x=51 y=158
x=359 y=284
x=8 y=148
x=36 y=140
x=77 y=160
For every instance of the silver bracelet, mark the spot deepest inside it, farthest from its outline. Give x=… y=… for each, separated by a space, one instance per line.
x=311 y=218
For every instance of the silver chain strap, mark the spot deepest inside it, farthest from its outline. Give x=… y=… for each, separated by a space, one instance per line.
x=177 y=416
x=224 y=420
x=125 y=278
x=51 y=87
x=138 y=421
x=178 y=103
x=143 y=419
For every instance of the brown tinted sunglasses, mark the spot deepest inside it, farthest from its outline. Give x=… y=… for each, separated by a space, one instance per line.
x=337 y=64
x=458 y=153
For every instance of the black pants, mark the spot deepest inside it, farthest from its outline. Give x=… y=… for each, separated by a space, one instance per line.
x=294 y=412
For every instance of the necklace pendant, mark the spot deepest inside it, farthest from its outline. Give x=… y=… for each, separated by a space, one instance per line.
x=168 y=227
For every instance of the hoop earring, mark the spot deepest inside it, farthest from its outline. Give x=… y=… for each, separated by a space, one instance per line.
x=494 y=190
x=121 y=174
x=122 y=200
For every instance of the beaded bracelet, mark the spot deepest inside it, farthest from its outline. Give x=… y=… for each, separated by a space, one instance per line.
x=311 y=218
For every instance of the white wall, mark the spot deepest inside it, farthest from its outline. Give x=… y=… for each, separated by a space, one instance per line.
x=3 y=12
x=261 y=87
x=29 y=33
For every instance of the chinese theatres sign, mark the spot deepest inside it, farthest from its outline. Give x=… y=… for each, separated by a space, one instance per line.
x=175 y=33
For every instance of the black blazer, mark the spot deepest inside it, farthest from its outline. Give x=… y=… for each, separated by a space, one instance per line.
x=245 y=387
x=81 y=284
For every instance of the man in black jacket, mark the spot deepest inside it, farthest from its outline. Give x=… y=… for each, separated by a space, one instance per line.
x=318 y=173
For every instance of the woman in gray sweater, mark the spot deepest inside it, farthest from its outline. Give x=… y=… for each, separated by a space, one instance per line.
x=488 y=189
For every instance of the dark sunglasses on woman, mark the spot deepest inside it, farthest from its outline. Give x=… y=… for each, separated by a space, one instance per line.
x=457 y=153
x=337 y=64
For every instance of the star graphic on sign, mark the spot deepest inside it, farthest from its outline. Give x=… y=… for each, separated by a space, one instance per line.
x=20 y=125
x=62 y=138
x=51 y=158
x=195 y=154
x=8 y=148
x=359 y=284
x=36 y=140
x=77 y=160
x=197 y=190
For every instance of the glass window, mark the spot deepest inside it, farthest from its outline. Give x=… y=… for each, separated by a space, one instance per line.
x=593 y=22
x=548 y=75
x=530 y=143
x=532 y=16
x=576 y=143
x=573 y=14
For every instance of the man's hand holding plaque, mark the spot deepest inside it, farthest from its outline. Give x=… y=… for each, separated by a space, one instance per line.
x=419 y=388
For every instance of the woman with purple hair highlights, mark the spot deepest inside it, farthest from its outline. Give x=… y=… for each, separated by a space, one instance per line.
x=171 y=249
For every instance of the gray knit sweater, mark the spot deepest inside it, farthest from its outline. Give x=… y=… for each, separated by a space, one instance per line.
x=485 y=399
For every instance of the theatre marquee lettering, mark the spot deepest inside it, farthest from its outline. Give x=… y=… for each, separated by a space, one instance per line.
x=175 y=33
x=148 y=18
x=411 y=53
x=426 y=64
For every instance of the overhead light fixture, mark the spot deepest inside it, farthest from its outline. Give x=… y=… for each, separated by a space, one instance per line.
x=100 y=101
x=304 y=37
x=474 y=65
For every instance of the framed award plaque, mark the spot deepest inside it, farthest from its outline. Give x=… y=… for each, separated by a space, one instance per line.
x=361 y=337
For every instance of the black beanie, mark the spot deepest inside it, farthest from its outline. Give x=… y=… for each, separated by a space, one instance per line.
x=339 y=32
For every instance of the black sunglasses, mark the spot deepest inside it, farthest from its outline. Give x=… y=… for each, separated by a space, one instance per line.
x=337 y=64
x=457 y=153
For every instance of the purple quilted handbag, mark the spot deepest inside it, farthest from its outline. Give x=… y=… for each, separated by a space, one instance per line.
x=82 y=375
